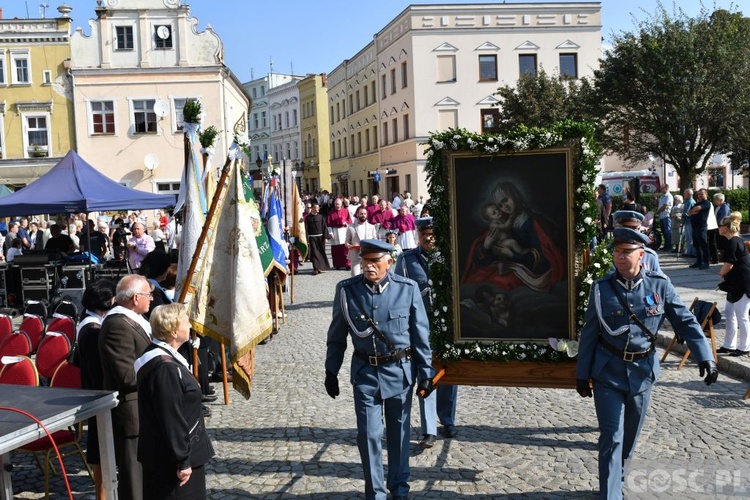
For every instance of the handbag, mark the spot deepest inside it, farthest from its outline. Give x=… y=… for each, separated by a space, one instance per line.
x=74 y=356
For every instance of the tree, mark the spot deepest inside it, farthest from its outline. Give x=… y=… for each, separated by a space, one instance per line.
x=677 y=89
x=539 y=101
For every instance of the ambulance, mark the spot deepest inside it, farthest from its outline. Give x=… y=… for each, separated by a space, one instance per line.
x=634 y=181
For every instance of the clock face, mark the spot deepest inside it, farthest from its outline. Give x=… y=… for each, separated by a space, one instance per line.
x=162 y=32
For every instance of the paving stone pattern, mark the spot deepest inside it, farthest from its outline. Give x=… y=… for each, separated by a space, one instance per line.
x=290 y=440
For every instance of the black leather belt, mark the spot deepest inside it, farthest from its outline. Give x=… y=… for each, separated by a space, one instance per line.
x=626 y=355
x=381 y=360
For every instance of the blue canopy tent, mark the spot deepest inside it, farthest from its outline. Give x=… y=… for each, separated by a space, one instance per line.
x=74 y=186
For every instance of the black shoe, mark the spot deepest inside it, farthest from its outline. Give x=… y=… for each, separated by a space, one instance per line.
x=206 y=411
x=450 y=431
x=209 y=398
x=210 y=391
x=737 y=352
x=695 y=266
x=714 y=262
x=428 y=441
x=705 y=266
x=724 y=350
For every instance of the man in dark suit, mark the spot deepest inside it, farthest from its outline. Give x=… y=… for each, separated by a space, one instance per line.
x=125 y=335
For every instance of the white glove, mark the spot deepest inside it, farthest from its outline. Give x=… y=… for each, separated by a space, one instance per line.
x=196 y=343
x=292 y=239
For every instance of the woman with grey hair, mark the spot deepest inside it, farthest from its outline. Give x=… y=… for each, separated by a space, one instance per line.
x=173 y=445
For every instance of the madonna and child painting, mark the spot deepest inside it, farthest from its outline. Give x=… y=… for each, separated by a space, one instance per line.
x=512 y=245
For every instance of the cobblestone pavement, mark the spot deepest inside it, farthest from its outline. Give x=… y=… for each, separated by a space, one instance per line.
x=290 y=440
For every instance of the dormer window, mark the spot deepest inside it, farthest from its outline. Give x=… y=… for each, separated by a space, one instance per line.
x=163 y=36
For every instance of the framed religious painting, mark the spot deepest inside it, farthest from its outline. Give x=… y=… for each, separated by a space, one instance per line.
x=512 y=245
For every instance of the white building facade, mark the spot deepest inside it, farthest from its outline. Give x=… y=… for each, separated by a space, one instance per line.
x=438 y=66
x=142 y=61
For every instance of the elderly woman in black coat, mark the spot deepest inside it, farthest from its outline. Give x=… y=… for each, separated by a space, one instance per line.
x=173 y=445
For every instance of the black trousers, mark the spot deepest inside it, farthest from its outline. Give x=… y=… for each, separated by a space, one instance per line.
x=700 y=243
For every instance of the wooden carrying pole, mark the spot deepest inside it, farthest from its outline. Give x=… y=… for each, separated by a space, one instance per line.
x=196 y=255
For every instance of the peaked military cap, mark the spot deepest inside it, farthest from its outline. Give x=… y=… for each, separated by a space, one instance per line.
x=375 y=246
x=624 y=236
x=424 y=223
x=627 y=215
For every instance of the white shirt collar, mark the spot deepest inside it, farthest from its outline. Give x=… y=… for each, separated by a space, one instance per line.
x=132 y=315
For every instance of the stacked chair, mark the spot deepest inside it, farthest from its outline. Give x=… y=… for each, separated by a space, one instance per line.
x=49 y=346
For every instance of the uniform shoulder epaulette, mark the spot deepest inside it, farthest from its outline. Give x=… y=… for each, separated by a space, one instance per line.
x=348 y=281
x=411 y=251
x=656 y=274
x=400 y=279
x=605 y=277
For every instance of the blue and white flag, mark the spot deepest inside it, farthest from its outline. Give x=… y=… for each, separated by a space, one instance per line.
x=275 y=226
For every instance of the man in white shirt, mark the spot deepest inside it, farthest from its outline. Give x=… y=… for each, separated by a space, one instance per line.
x=665 y=207
x=360 y=230
x=353 y=206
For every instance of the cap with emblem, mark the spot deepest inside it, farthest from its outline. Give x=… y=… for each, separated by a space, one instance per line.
x=424 y=223
x=623 y=216
x=626 y=237
x=374 y=246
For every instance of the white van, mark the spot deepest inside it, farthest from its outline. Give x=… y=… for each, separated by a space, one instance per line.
x=618 y=182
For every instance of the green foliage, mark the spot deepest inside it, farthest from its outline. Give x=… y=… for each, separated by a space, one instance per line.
x=738 y=199
x=191 y=113
x=539 y=101
x=579 y=136
x=676 y=89
x=208 y=136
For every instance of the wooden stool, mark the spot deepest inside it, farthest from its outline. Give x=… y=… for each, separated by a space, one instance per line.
x=705 y=311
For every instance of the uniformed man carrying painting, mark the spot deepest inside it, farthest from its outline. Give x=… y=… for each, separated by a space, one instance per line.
x=413 y=264
x=388 y=325
x=617 y=352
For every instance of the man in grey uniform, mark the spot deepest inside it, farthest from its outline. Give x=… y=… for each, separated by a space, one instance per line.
x=388 y=325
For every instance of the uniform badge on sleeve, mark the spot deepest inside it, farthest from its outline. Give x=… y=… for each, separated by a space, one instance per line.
x=654 y=307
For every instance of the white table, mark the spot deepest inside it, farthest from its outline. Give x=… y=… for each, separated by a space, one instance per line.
x=57 y=409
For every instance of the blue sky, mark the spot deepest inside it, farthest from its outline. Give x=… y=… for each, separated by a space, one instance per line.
x=304 y=36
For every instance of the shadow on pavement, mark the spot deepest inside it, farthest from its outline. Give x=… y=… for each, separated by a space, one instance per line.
x=555 y=437
x=548 y=495
x=321 y=304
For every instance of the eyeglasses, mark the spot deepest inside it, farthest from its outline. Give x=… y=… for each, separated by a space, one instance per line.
x=149 y=295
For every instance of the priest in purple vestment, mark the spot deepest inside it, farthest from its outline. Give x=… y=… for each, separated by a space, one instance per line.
x=405 y=225
x=383 y=218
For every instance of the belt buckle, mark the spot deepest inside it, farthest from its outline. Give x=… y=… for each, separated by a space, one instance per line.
x=373 y=360
x=628 y=356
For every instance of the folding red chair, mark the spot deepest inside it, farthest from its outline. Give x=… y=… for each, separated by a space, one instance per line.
x=63 y=324
x=6 y=326
x=35 y=307
x=69 y=439
x=66 y=308
x=18 y=370
x=53 y=349
x=67 y=376
x=33 y=325
x=16 y=344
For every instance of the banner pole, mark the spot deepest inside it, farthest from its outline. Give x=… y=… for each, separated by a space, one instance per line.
x=202 y=239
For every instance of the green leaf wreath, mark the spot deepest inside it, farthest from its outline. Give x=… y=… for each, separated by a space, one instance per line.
x=577 y=135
